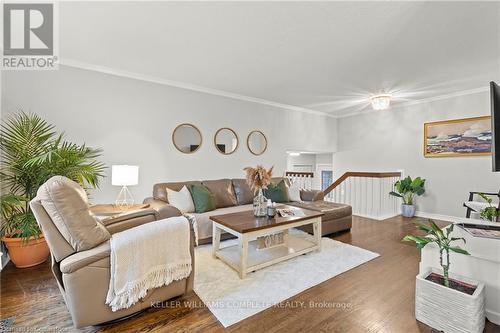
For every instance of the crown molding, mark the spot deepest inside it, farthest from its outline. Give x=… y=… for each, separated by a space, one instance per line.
x=206 y=90
x=184 y=85
x=421 y=101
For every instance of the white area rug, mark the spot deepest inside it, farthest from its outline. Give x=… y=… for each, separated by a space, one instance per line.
x=231 y=299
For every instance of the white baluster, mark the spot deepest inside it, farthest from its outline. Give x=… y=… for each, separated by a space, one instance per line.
x=365 y=191
x=344 y=191
x=350 y=191
x=356 y=195
x=372 y=197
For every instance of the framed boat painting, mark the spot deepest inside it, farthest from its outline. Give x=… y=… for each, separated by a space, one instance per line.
x=459 y=137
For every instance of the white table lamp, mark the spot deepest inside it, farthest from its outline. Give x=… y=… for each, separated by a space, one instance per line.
x=124 y=175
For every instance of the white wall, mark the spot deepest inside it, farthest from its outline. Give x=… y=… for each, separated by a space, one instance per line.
x=305 y=160
x=316 y=163
x=393 y=139
x=309 y=160
x=324 y=158
x=133 y=121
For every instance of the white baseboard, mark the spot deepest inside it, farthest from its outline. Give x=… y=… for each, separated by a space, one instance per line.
x=378 y=218
x=493 y=316
x=387 y=216
x=438 y=216
x=425 y=215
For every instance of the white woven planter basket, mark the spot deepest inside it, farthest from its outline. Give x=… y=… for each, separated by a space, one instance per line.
x=447 y=309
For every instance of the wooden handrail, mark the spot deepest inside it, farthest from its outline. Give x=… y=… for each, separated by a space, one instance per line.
x=360 y=174
x=299 y=174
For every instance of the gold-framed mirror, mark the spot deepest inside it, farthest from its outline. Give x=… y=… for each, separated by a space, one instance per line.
x=257 y=142
x=226 y=141
x=187 y=138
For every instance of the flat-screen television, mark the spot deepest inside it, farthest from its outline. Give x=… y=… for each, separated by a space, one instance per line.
x=495 y=125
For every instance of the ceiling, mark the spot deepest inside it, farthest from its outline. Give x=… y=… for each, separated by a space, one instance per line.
x=321 y=56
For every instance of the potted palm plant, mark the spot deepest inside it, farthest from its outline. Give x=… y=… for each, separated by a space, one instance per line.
x=444 y=301
x=31 y=153
x=407 y=189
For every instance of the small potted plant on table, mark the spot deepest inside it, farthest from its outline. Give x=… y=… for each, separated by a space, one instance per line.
x=407 y=189
x=445 y=301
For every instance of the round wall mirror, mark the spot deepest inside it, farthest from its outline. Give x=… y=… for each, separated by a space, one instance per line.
x=226 y=141
x=257 y=142
x=187 y=138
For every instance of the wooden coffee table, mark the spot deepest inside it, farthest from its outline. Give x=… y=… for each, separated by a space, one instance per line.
x=246 y=257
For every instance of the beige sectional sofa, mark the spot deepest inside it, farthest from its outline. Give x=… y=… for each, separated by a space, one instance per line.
x=234 y=195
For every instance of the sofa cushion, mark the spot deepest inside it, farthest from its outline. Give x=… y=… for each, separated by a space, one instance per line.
x=312 y=195
x=277 y=192
x=277 y=180
x=204 y=224
x=84 y=258
x=67 y=205
x=181 y=200
x=294 y=192
x=59 y=246
x=222 y=189
x=331 y=210
x=204 y=200
x=160 y=189
x=244 y=195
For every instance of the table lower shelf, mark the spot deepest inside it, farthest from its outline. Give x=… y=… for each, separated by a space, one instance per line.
x=260 y=258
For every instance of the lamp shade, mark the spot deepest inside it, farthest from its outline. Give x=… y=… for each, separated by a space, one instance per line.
x=124 y=175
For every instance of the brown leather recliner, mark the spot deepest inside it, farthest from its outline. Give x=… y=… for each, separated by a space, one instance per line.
x=83 y=276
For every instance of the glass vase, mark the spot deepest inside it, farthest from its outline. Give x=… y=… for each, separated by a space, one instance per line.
x=260 y=205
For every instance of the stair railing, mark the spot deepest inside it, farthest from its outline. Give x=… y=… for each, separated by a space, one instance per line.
x=304 y=179
x=367 y=193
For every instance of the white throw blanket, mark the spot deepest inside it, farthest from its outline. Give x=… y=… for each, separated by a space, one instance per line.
x=192 y=219
x=148 y=256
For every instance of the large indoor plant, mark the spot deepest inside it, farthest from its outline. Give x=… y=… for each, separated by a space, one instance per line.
x=445 y=301
x=407 y=189
x=31 y=153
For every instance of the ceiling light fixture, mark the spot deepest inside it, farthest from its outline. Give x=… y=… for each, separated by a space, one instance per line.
x=381 y=101
x=293 y=154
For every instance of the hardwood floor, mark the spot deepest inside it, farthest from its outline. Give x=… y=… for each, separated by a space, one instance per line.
x=379 y=296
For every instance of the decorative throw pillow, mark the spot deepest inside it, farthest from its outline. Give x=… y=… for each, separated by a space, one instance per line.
x=67 y=205
x=244 y=195
x=204 y=200
x=294 y=192
x=277 y=192
x=223 y=192
x=181 y=200
x=311 y=195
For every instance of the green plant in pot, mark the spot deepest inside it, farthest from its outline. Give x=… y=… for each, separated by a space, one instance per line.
x=444 y=300
x=407 y=189
x=31 y=153
x=443 y=240
x=489 y=213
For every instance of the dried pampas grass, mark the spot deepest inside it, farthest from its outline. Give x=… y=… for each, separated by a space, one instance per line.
x=258 y=178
